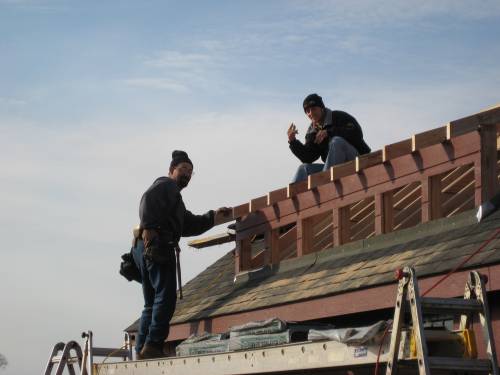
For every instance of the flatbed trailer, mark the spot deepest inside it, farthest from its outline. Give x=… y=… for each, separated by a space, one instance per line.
x=305 y=357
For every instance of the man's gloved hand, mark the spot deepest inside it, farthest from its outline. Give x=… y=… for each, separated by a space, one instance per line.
x=222 y=215
x=148 y=235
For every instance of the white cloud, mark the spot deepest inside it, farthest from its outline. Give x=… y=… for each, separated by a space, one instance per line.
x=11 y=102
x=180 y=60
x=158 y=83
x=357 y=44
x=183 y=70
x=344 y=25
x=357 y=14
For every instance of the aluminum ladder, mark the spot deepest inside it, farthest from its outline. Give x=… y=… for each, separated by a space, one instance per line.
x=474 y=302
x=71 y=353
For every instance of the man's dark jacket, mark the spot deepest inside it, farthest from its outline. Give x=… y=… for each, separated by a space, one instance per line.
x=338 y=124
x=162 y=208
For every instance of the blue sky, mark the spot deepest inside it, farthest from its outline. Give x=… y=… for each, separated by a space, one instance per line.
x=95 y=95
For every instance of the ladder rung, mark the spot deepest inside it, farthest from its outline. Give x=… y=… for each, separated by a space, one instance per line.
x=110 y=352
x=58 y=358
x=453 y=364
x=459 y=364
x=455 y=305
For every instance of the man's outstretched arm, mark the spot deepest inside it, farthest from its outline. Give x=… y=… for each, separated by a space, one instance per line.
x=197 y=224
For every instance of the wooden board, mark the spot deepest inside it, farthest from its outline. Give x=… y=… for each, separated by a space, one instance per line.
x=276 y=195
x=457 y=201
x=242 y=255
x=317 y=179
x=297 y=188
x=449 y=179
x=428 y=138
x=241 y=210
x=341 y=227
x=258 y=203
x=368 y=160
x=361 y=208
x=396 y=150
x=406 y=195
x=487 y=174
x=410 y=215
x=456 y=185
x=384 y=212
x=431 y=198
x=342 y=170
x=216 y=239
x=471 y=123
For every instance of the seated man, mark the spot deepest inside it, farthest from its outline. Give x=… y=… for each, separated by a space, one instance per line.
x=335 y=136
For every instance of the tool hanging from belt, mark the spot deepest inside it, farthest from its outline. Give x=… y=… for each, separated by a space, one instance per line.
x=178 y=268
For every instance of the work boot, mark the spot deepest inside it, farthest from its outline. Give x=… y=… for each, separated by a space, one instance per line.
x=152 y=350
x=138 y=356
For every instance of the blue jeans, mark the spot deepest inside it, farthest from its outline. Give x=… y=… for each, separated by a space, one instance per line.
x=339 y=151
x=159 y=286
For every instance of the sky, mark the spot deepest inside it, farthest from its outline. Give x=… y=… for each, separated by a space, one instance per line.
x=95 y=95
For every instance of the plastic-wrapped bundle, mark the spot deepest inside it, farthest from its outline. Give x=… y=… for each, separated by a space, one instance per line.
x=259 y=327
x=350 y=336
x=203 y=344
x=259 y=341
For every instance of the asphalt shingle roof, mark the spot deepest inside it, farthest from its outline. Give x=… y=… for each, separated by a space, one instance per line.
x=431 y=248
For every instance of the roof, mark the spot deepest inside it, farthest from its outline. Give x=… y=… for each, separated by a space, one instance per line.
x=432 y=248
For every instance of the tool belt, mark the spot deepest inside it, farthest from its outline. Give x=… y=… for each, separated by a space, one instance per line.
x=161 y=250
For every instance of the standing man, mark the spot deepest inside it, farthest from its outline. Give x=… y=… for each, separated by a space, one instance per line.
x=164 y=219
x=335 y=136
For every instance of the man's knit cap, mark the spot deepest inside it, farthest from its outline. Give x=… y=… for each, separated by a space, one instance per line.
x=179 y=157
x=313 y=100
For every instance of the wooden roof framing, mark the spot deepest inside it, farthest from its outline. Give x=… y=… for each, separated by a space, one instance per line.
x=379 y=179
x=384 y=157
x=388 y=153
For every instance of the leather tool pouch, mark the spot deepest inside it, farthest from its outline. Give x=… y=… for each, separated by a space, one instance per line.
x=160 y=251
x=128 y=268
